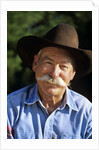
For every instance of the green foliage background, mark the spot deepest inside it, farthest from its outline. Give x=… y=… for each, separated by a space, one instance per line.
x=22 y=23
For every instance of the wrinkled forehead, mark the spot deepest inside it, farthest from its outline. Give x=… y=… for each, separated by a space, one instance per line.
x=56 y=53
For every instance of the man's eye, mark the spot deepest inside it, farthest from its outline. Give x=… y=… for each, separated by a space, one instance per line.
x=48 y=62
x=64 y=67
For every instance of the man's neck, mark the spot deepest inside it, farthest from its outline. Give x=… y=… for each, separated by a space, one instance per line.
x=51 y=105
x=52 y=102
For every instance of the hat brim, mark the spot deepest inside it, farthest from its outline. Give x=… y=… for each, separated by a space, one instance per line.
x=29 y=46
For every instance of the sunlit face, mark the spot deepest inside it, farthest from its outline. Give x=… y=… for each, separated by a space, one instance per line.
x=56 y=63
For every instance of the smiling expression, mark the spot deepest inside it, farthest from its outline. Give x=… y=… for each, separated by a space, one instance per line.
x=56 y=63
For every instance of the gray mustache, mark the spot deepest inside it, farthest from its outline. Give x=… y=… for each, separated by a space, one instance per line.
x=58 y=81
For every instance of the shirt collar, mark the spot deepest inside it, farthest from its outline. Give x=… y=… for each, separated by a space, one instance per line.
x=68 y=99
x=33 y=96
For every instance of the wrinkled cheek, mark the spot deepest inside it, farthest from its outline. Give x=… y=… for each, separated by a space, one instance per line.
x=44 y=70
x=41 y=71
x=67 y=79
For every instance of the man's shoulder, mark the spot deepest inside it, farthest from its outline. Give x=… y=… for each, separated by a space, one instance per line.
x=21 y=94
x=80 y=100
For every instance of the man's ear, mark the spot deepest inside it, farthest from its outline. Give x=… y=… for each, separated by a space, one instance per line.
x=35 y=63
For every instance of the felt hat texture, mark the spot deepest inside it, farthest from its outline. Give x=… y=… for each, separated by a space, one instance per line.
x=63 y=36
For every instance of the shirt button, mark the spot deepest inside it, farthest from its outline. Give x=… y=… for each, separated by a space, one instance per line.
x=53 y=136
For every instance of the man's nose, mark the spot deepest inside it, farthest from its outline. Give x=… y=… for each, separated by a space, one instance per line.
x=55 y=72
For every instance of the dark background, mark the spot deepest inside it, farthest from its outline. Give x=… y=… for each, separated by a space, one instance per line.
x=22 y=23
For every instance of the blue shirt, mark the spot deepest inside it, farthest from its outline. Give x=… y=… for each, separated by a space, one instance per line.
x=29 y=119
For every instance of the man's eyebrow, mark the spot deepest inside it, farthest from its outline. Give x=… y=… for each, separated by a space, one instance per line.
x=66 y=61
x=46 y=57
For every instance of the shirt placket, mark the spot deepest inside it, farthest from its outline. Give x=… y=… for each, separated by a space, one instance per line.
x=48 y=129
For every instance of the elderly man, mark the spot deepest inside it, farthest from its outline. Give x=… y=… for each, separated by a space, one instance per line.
x=49 y=109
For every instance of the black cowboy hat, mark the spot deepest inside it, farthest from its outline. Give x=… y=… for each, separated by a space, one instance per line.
x=62 y=36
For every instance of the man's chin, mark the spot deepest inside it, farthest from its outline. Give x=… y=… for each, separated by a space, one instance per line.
x=55 y=85
x=52 y=92
x=54 y=89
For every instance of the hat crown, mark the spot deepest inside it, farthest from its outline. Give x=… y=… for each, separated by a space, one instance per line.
x=63 y=34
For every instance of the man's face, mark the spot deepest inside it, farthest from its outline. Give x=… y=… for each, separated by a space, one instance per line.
x=55 y=63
